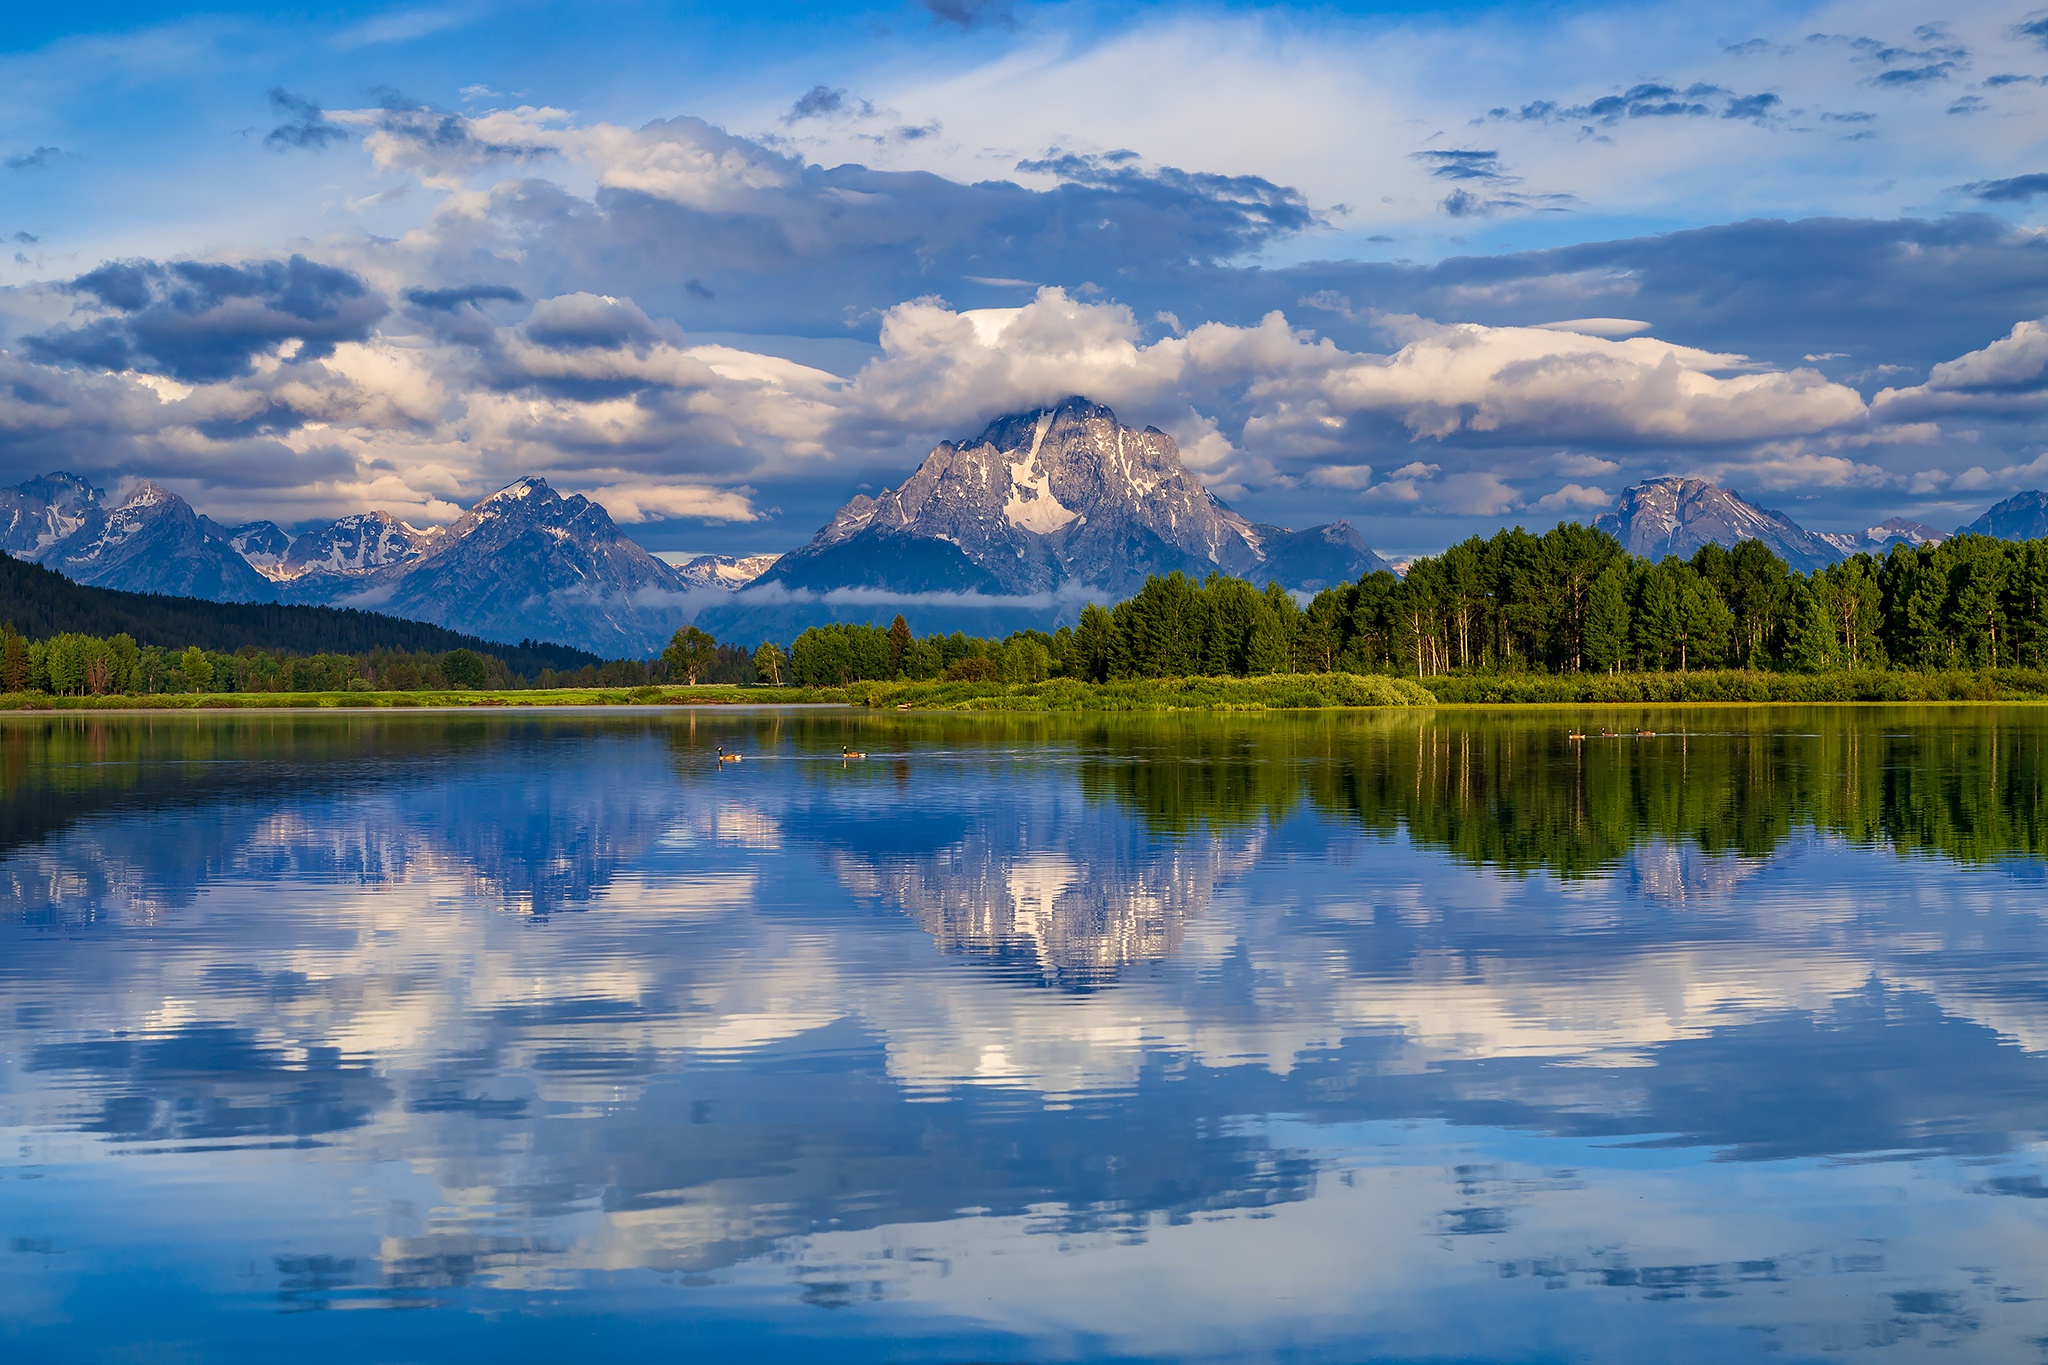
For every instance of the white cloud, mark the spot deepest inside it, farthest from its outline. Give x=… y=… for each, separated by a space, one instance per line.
x=2009 y=376
x=633 y=503
x=1581 y=466
x=1571 y=498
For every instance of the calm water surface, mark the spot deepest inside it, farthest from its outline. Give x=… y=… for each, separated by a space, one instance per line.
x=1400 y=1037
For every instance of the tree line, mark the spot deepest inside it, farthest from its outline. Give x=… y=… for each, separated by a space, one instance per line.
x=73 y=663
x=44 y=604
x=1567 y=600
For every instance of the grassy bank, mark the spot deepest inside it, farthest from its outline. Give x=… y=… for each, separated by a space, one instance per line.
x=1277 y=692
x=1731 y=685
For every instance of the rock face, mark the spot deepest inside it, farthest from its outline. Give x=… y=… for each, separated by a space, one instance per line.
x=37 y=514
x=155 y=542
x=262 y=543
x=1041 y=500
x=1674 y=516
x=528 y=563
x=2023 y=516
x=328 y=560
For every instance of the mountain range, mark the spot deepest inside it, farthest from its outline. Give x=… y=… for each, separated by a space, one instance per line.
x=1017 y=526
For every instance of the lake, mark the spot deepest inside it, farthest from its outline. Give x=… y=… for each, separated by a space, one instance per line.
x=1402 y=1036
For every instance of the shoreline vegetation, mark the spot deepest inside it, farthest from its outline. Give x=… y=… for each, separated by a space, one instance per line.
x=1563 y=618
x=1272 y=692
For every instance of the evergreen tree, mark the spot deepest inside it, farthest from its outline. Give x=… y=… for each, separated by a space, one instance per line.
x=1094 y=649
x=13 y=661
x=1605 y=635
x=899 y=644
x=1810 y=643
x=1655 y=623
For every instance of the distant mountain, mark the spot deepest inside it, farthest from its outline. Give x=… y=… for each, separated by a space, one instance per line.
x=262 y=543
x=2023 y=516
x=328 y=560
x=523 y=564
x=1047 y=506
x=1320 y=557
x=1674 y=516
x=155 y=542
x=41 y=603
x=527 y=562
x=728 y=572
x=1889 y=532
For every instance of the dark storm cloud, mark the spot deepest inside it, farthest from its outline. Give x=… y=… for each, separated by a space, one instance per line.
x=201 y=320
x=448 y=300
x=2018 y=189
x=34 y=159
x=305 y=127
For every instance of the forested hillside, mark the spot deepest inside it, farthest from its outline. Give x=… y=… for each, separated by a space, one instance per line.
x=1570 y=600
x=42 y=604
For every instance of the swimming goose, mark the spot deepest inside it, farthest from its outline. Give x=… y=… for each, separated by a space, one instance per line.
x=724 y=757
x=846 y=753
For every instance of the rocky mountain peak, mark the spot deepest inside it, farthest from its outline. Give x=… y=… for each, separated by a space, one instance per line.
x=1060 y=494
x=355 y=545
x=1676 y=516
x=37 y=514
x=2023 y=516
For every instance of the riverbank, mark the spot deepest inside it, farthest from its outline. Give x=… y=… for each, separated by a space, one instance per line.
x=1276 y=692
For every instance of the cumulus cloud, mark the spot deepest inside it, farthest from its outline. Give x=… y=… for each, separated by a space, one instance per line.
x=1573 y=497
x=592 y=391
x=2009 y=377
x=631 y=503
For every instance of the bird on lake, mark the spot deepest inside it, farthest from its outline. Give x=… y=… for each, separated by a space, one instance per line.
x=1575 y=734
x=1646 y=734
x=724 y=757
x=846 y=753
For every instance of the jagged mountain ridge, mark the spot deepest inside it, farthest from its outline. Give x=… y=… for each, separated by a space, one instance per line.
x=728 y=573
x=525 y=563
x=2023 y=516
x=41 y=512
x=1676 y=516
x=155 y=542
x=1882 y=537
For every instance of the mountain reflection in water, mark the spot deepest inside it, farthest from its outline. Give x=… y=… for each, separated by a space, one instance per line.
x=1029 y=1037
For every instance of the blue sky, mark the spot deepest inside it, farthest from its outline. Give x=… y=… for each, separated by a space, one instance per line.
x=722 y=267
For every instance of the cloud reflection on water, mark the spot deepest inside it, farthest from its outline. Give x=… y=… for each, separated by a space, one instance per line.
x=612 y=1009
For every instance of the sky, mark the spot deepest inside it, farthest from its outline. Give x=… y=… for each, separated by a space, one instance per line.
x=1434 y=269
